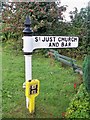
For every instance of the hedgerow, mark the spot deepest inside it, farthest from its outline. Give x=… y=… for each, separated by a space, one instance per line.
x=79 y=106
x=86 y=72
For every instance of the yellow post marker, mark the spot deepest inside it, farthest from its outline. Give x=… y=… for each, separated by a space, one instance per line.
x=32 y=90
x=31 y=105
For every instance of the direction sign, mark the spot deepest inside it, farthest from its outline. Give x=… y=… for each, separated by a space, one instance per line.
x=55 y=41
x=36 y=42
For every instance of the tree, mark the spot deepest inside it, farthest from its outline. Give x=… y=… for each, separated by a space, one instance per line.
x=80 y=27
x=43 y=15
x=88 y=29
x=86 y=72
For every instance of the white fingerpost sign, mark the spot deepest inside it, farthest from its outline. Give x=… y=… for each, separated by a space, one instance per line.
x=35 y=42
x=31 y=43
x=55 y=42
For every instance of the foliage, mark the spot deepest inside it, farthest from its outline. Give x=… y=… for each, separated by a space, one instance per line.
x=79 y=106
x=43 y=15
x=80 y=26
x=88 y=29
x=86 y=72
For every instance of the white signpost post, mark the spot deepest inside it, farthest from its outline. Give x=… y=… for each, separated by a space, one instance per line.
x=31 y=43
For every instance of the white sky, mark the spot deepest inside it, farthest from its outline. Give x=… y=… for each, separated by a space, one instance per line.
x=74 y=3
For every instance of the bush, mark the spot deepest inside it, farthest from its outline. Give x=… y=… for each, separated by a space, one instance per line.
x=79 y=106
x=13 y=45
x=86 y=72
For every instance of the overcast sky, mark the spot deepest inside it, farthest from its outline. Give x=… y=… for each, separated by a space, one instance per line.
x=74 y=3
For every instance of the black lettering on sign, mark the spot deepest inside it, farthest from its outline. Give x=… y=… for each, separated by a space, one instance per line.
x=52 y=39
x=66 y=44
x=62 y=44
x=48 y=39
x=36 y=39
x=69 y=38
x=69 y=44
x=33 y=89
x=57 y=44
x=63 y=39
x=50 y=44
x=45 y=39
x=59 y=39
x=75 y=39
x=54 y=44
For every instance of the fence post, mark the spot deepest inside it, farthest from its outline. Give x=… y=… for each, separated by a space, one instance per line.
x=27 y=49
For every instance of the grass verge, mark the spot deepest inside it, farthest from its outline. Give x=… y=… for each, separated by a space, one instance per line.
x=56 y=86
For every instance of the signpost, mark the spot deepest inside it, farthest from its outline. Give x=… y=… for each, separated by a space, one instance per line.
x=36 y=42
x=31 y=43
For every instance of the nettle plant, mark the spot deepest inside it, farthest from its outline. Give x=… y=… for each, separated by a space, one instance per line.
x=86 y=72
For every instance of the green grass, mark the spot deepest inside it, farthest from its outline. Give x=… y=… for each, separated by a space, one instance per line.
x=0 y=81
x=56 y=86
